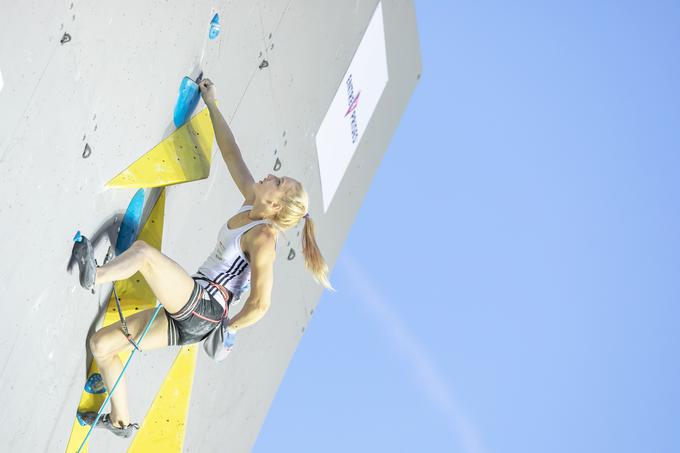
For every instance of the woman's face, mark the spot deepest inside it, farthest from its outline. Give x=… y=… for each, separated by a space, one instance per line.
x=270 y=188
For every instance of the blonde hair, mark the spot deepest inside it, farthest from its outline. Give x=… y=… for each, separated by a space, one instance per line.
x=294 y=206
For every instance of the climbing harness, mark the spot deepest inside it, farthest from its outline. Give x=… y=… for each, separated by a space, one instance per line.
x=220 y=341
x=225 y=294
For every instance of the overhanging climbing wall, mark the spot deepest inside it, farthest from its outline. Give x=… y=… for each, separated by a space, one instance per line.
x=86 y=117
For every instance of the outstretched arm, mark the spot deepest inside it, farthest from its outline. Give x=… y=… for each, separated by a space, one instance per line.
x=226 y=142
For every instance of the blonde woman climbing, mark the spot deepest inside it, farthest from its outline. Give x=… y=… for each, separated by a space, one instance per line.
x=194 y=305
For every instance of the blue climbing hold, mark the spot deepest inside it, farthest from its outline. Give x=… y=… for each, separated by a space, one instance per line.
x=80 y=419
x=214 y=27
x=189 y=94
x=129 y=227
x=95 y=384
x=78 y=237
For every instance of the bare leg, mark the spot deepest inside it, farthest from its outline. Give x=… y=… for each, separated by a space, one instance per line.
x=171 y=285
x=109 y=341
x=123 y=266
x=169 y=282
x=110 y=367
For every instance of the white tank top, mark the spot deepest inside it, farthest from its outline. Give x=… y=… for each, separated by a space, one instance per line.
x=227 y=264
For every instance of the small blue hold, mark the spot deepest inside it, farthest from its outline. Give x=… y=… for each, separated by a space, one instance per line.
x=80 y=419
x=95 y=384
x=214 y=27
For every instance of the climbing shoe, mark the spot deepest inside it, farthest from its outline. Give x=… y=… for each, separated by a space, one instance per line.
x=105 y=422
x=83 y=253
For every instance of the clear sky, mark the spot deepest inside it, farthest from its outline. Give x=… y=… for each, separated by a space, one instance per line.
x=512 y=280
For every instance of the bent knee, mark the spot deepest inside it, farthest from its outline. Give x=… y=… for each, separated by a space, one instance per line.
x=101 y=345
x=145 y=249
x=140 y=246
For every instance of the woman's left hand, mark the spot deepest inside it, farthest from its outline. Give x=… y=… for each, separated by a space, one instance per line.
x=229 y=339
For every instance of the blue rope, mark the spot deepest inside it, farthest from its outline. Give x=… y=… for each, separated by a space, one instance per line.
x=99 y=414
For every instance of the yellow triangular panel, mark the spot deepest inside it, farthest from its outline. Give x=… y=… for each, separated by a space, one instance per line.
x=164 y=426
x=182 y=157
x=135 y=295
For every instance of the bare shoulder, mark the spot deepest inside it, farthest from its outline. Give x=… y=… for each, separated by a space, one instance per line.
x=261 y=242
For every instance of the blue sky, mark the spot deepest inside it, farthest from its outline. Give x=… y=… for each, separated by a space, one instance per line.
x=530 y=302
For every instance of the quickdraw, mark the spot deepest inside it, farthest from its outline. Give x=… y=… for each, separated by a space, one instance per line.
x=122 y=321
x=109 y=256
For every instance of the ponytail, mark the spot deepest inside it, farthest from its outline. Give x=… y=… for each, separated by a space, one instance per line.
x=294 y=206
x=314 y=262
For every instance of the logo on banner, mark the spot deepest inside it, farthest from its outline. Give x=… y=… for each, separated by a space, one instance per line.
x=352 y=101
x=342 y=127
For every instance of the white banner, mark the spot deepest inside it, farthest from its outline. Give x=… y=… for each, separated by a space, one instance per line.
x=352 y=107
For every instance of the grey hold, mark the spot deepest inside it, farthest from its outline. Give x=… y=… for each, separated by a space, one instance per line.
x=87 y=151
x=264 y=64
x=291 y=255
x=277 y=165
x=64 y=39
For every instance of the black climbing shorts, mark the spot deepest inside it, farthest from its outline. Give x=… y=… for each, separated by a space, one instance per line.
x=201 y=314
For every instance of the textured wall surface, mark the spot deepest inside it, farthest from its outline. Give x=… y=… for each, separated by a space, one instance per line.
x=113 y=86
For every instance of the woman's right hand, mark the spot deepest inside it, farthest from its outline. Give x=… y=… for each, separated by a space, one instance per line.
x=208 y=90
